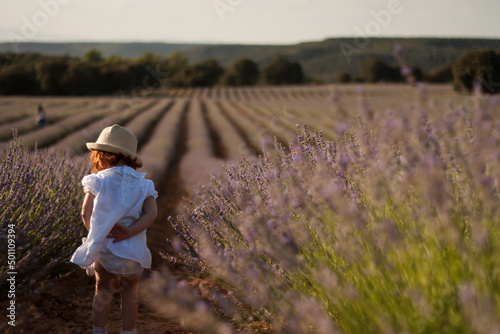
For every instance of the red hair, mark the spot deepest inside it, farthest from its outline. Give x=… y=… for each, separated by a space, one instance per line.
x=99 y=160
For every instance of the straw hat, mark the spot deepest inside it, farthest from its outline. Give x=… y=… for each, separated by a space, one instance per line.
x=117 y=139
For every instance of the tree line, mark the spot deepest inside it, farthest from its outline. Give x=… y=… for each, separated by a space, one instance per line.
x=92 y=74
x=474 y=69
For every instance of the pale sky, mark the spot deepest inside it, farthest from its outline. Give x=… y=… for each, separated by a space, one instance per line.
x=243 y=21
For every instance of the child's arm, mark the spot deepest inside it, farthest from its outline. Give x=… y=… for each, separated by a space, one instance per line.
x=87 y=207
x=149 y=213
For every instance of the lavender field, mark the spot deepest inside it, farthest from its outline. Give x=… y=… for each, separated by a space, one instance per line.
x=321 y=209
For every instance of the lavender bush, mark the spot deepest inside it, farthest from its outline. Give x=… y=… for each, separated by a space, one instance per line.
x=40 y=201
x=392 y=227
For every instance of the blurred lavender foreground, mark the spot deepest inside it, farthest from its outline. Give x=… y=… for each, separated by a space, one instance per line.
x=40 y=200
x=390 y=228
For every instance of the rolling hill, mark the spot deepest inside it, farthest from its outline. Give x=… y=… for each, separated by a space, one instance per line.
x=321 y=60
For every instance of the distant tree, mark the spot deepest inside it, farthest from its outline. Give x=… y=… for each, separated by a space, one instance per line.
x=49 y=73
x=82 y=78
x=243 y=72
x=18 y=79
x=205 y=73
x=282 y=71
x=440 y=74
x=92 y=56
x=149 y=58
x=417 y=73
x=115 y=59
x=375 y=70
x=343 y=77
x=10 y=58
x=477 y=67
x=172 y=66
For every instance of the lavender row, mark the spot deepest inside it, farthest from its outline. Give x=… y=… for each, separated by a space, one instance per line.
x=75 y=142
x=52 y=133
x=235 y=145
x=391 y=227
x=199 y=161
x=141 y=125
x=159 y=151
x=24 y=116
x=40 y=199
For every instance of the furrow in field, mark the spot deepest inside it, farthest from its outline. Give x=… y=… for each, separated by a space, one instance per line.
x=144 y=124
x=16 y=106
x=246 y=128
x=271 y=126
x=199 y=136
x=229 y=93
x=75 y=142
x=273 y=94
x=206 y=93
x=263 y=92
x=253 y=94
x=301 y=94
x=199 y=163
x=160 y=150
x=234 y=142
x=310 y=93
x=162 y=156
x=237 y=93
x=187 y=92
x=219 y=150
x=55 y=115
x=293 y=95
x=277 y=117
x=17 y=115
x=284 y=114
x=244 y=93
x=13 y=110
x=282 y=93
x=54 y=132
x=216 y=93
x=322 y=92
x=176 y=92
x=197 y=92
x=224 y=93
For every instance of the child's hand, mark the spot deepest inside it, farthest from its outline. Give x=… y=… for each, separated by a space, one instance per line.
x=119 y=233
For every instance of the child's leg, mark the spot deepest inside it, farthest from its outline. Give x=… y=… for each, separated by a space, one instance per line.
x=105 y=287
x=129 y=287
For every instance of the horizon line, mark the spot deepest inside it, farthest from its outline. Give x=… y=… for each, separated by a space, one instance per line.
x=243 y=43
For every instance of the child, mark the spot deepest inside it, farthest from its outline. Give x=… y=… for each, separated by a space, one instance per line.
x=118 y=207
x=40 y=116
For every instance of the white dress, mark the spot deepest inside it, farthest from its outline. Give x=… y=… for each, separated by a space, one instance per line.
x=119 y=196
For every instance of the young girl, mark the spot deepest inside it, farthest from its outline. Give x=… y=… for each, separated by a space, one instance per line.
x=118 y=207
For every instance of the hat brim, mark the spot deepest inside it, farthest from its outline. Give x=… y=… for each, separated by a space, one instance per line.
x=115 y=149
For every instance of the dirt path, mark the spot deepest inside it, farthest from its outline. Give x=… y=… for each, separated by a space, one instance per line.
x=65 y=304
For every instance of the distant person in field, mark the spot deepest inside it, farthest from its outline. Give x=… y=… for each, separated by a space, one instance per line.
x=40 y=116
x=119 y=205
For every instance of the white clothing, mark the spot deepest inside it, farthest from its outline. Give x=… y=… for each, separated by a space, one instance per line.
x=119 y=196
x=119 y=265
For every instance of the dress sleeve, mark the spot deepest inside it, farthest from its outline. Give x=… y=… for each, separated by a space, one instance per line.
x=91 y=183
x=151 y=191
